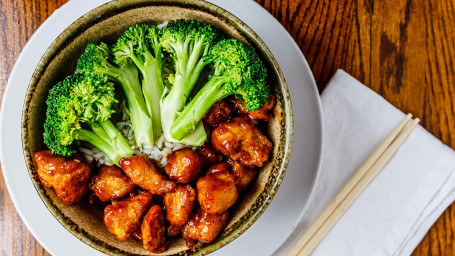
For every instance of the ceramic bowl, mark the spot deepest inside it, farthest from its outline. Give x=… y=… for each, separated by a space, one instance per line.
x=107 y=23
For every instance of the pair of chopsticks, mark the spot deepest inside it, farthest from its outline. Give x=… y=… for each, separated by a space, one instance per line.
x=361 y=178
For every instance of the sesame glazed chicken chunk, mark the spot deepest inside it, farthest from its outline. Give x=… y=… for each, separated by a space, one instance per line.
x=203 y=227
x=241 y=141
x=243 y=176
x=179 y=204
x=68 y=177
x=209 y=154
x=111 y=183
x=184 y=165
x=145 y=174
x=218 y=113
x=218 y=167
x=123 y=218
x=153 y=229
x=216 y=192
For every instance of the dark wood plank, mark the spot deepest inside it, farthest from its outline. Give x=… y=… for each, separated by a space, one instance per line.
x=404 y=50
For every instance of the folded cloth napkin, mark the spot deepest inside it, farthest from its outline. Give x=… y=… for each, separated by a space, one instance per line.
x=396 y=210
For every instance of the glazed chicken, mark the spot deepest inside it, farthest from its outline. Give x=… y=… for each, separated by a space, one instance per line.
x=184 y=165
x=243 y=176
x=110 y=183
x=209 y=154
x=137 y=235
x=216 y=192
x=173 y=230
x=144 y=173
x=241 y=141
x=179 y=204
x=262 y=113
x=153 y=229
x=203 y=227
x=218 y=113
x=68 y=177
x=219 y=167
x=123 y=218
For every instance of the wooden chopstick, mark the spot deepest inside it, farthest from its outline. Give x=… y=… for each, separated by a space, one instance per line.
x=347 y=195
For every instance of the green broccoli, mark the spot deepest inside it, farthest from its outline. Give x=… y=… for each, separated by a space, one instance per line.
x=188 y=41
x=238 y=71
x=140 y=44
x=98 y=60
x=79 y=108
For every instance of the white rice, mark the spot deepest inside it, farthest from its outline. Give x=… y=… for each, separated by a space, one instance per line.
x=157 y=152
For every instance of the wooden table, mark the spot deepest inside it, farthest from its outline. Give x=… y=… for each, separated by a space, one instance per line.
x=402 y=49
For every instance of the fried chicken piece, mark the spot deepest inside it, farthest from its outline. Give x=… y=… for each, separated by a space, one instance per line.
x=241 y=141
x=145 y=174
x=179 y=204
x=216 y=192
x=153 y=229
x=110 y=183
x=184 y=165
x=219 y=167
x=123 y=218
x=137 y=235
x=203 y=227
x=243 y=176
x=218 y=113
x=209 y=154
x=173 y=230
x=68 y=177
x=262 y=113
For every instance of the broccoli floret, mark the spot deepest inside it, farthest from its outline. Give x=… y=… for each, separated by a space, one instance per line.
x=188 y=41
x=140 y=44
x=79 y=108
x=98 y=59
x=238 y=71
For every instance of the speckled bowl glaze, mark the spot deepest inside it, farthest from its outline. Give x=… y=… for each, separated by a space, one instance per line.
x=106 y=23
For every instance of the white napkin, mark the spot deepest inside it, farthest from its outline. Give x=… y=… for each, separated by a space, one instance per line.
x=395 y=211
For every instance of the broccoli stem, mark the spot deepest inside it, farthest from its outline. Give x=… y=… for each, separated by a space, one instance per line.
x=140 y=119
x=106 y=138
x=195 y=61
x=193 y=113
x=152 y=85
x=152 y=88
x=173 y=103
x=188 y=70
x=99 y=130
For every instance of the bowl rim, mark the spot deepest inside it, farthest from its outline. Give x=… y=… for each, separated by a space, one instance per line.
x=77 y=27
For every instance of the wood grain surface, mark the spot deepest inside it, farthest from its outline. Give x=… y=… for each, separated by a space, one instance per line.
x=402 y=49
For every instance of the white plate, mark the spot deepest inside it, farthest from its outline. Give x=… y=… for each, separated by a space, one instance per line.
x=288 y=206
